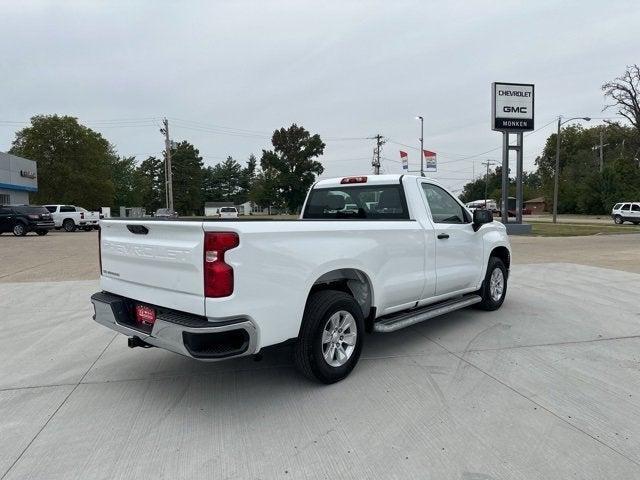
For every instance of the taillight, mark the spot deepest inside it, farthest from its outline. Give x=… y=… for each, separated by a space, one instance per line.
x=218 y=276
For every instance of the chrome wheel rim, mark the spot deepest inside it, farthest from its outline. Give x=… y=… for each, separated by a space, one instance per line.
x=496 y=285
x=339 y=338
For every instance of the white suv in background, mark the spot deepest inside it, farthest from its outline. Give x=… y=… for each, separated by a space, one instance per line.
x=626 y=212
x=228 y=212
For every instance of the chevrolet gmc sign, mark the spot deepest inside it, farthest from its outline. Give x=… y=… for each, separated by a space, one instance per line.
x=512 y=107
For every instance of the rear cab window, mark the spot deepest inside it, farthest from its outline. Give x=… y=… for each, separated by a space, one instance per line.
x=357 y=202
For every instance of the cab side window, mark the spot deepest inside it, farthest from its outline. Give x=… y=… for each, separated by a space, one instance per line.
x=635 y=208
x=444 y=208
x=67 y=208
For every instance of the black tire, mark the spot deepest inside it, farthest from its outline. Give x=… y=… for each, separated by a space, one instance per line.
x=636 y=223
x=618 y=220
x=69 y=225
x=19 y=229
x=308 y=353
x=42 y=233
x=488 y=301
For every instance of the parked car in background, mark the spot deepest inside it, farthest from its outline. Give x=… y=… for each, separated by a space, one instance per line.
x=228 y=212
x=22 y=219
x=213 y=289
x=166 y=213
x=71 y=217
x=487 y=204
x=626 y=212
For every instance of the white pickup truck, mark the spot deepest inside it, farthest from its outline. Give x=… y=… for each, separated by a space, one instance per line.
x=217 y=289
x=71 y=217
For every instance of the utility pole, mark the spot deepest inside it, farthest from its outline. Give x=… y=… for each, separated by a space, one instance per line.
x=486 y=181
x=376 y=154
x=601 y=153
x=168 y=178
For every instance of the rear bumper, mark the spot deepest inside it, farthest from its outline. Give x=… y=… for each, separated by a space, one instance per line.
x=41 y=225
x=189 y=335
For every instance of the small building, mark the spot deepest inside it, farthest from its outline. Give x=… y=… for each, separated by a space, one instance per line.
x=18 y=178
x=211 y=208
x=536 y=205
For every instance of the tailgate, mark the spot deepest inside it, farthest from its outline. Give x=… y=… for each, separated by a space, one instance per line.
x=159 y=262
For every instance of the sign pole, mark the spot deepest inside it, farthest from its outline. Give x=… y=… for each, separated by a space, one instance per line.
x=505 y=177
x=519 y=191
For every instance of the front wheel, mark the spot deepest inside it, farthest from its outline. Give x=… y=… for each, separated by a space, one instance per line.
x=618 y=220
x=494 y=287
x=331 y=336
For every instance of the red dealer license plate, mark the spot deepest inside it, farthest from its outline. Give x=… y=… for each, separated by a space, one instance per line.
x=145 y=315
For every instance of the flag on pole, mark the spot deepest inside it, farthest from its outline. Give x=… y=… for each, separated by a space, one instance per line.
x=405 y=160
x=430 y=159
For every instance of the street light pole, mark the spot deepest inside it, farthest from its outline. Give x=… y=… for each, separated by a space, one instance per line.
x=421 y=145
x=557 y=170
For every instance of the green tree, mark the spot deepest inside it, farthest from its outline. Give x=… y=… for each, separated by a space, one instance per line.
x=186 y=168
x=124 y=173
x=290 y=166
x=228 y=181
x=248 y=176
x=583 y=188
x=149 y=184
x=264 y=190
x=74 y=162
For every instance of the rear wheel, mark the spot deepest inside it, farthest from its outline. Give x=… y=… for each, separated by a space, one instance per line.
x=331 y=336
x=19 y=229
x=618 y=220
x=42 y=232
x=494 y=287
x=69 y=225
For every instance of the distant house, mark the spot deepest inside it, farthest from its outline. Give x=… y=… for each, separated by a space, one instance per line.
x=536 y=205
x=211 y=208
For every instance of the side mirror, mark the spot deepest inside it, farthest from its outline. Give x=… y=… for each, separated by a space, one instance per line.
x=480 y=217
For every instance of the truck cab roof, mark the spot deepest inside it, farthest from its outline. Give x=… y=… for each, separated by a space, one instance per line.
x=366 y=180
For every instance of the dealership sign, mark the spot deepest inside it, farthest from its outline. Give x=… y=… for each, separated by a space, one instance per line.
x=512 y=107
x=27 y=174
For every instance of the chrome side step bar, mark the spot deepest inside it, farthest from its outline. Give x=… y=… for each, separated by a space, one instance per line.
x=406 y=319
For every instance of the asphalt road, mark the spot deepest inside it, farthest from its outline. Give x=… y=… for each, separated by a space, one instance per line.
x=547 y=387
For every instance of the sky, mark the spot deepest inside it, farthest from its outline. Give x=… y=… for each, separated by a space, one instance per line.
x=228 y=73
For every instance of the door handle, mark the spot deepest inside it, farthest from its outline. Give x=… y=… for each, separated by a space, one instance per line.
x=442 y=236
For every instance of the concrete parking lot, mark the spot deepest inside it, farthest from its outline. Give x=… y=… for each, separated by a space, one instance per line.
x=548 y=387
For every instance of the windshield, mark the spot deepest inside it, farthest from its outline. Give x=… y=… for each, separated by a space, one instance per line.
x=227 y=209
